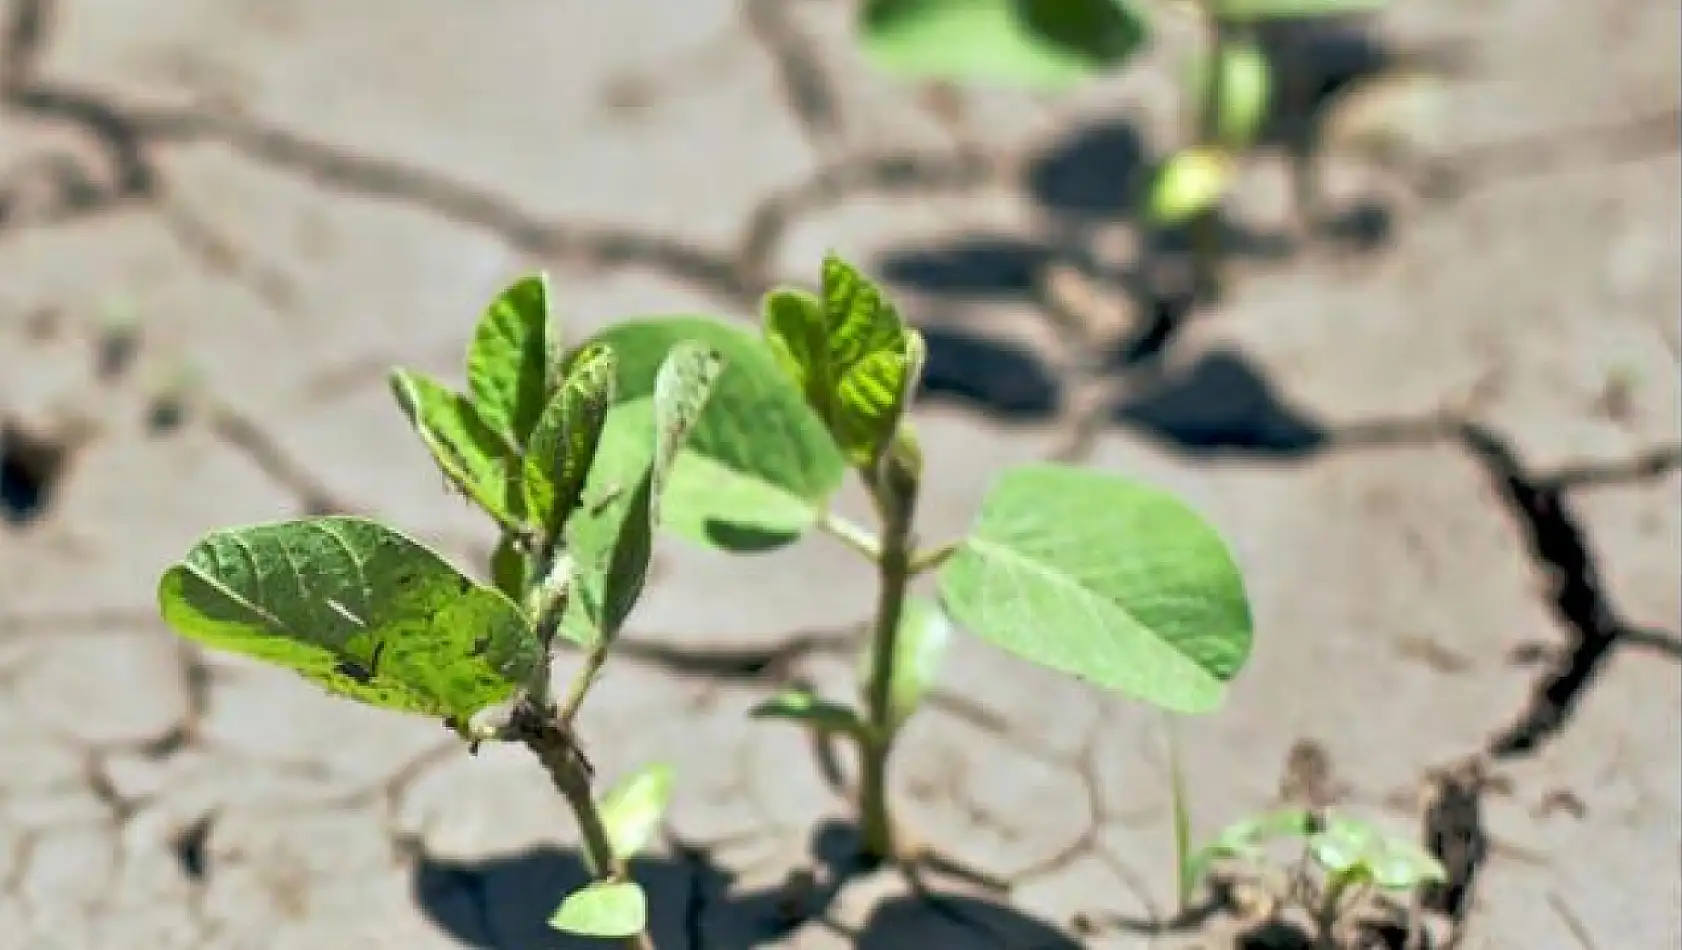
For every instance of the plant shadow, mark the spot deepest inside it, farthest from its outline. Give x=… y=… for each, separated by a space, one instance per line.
x=1098 y=177
x=505 y=902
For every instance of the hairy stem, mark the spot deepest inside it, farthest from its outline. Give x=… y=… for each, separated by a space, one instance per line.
x=876 y=746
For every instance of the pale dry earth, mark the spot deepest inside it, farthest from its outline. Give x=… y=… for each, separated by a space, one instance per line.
x=1447 y=456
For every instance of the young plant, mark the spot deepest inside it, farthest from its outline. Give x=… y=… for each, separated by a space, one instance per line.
x=572 y=471
x=1054 y=44
x=1094 y=575
x=1342 y=863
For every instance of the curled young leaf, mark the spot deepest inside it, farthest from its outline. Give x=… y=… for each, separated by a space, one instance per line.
x=477 y=460
x=605 y=909
x=854 y=357
x=631 y=810
x=507 y=362
x=809 y=710
x=356 y=607
x=1111 y=580
x=563 y=446
x=611 y=537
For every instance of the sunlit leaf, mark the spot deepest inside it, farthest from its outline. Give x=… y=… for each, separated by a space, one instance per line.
x=631 y=810
x=563 y=446
x=1106 y=578
x=356 y=607
x=1192 y=183
x=507 y=362
x=471 y=454
x=604 y=909
x=1041 y=43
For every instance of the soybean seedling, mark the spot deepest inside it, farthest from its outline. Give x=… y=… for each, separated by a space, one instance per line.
x=1342 y=864
x=572 y=474
x=1094 y=575
x=1055 y=44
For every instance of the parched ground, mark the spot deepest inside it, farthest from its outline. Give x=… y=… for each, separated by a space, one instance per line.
x=1441 y=430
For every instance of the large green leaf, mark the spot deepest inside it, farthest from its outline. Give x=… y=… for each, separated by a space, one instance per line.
x=472 y=455
x=1043 y=43
x=924 y=635
x=357 y=607
x=507 y=362
x=851 y=354
x=1108 y=579
x=758 y=465
x=563 y=446
x=631 y=810
x=604 y=909
x=1247 y=11
x=611 y=538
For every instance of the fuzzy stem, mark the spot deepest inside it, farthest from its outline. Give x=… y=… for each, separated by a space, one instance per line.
x=876 y=746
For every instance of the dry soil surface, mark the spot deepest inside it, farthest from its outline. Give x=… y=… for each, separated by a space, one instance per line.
x=1440 y=428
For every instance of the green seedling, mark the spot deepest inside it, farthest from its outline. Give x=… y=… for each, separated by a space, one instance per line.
x=1104 y=578
x=1231 y=88
x=1341 y=863
x=736 y=440
x=572 y=474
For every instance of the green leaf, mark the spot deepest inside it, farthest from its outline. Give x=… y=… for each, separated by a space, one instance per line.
x=924 y=635
x=759 y=465
x=507 y=362
x=1244 y=840
x=803 y=707
x=356 y=607
x=611 y=538
x=1249 y=11
x=472 y=455
x=631 y=810
x=1040 y=43
x=1191 y=184
x=852 y=356
x=604 y=909
x=1109 y=579
x=1246 y=78
x=1358 y=851
x=564 y=444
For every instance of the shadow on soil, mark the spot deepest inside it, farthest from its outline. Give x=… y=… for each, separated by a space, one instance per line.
x=505 y=903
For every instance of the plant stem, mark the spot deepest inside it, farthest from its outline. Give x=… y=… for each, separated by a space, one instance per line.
x=1206 y=229
x=894 y=574
x=854 y=536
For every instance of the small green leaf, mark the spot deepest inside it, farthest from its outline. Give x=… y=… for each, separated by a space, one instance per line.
x=507 y=362
x=563 y=446
x=1357 y=850
x=605 y=909
x=1244 y=840
x=852 y=355
x=611 y=538
x=924 y=635
x=356 y=607
x=1249 y=11
x=1108 y=579
x=1042 y=43
x=472 y=455
x=1192 y=183
x=759 y=465
x=805 y=708
x=632 y=809
x=1246 y=91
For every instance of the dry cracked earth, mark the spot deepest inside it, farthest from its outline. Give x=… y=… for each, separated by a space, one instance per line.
x=1439 y=422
